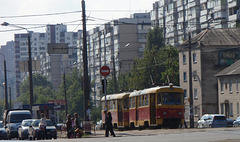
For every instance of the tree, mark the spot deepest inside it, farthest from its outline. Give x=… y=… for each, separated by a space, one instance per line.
x=171 y=63
x=75 y=95
x=42 y=90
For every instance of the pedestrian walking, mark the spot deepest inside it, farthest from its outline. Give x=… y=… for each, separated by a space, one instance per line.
x=108 y=124
x=69 y=126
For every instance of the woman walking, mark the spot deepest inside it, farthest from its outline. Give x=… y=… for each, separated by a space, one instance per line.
x=108 y=125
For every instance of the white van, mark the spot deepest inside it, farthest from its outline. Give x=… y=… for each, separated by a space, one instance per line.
x=13 y=119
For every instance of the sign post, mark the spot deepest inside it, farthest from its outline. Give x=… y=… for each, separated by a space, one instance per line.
x=105 y=71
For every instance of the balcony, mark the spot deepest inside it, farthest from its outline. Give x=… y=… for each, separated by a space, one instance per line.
x=203 y=1
x=233 y=17
x=232 y=4
x=203 y=12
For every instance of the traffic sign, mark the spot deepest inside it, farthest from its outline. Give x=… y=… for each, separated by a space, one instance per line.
x=104 y=71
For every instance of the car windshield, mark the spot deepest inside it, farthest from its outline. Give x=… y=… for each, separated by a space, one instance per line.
x=18 y=118
x=27 y=123
x=36 y=123
x=49 y=123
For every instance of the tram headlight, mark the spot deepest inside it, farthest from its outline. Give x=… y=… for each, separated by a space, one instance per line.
x=180 y=113
x=164 y=113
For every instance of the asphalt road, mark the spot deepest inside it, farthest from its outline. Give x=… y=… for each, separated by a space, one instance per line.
x=162 y=135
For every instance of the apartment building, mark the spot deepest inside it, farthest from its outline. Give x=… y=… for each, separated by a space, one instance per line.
x=179 y=18
x=115 y=44
x=228 y=91
x=9 y=54
x=52 y=66
x=212 y=50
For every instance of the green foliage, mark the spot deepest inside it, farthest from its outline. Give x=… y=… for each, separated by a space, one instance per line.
x=170 y=61
x=158 y=65
x=75 y=95
x=42 y=90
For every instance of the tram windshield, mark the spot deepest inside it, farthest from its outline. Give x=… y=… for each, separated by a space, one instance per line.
x=171 y=98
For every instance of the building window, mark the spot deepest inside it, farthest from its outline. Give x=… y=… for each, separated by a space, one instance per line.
x=195 y=93
x=222 y=85
x=195 y=75
x=184 y=76
x=184 y=59
x=185 y=94
x=231 y=109
x=194 y=58
x=222 y=108
x=230 y=86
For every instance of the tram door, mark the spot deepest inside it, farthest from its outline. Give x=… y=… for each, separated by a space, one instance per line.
x=152 y=109
x=120 y=113
x=137 y=105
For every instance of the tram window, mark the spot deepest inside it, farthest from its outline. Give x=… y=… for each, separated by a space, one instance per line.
x=125 y=103
x=140 y=101
x=171 y=98
x=115 y=104
x=133 y=102
x=159 y=98
x=147 y=100
x=143 y=101
x=103 y=105
x=111 y=105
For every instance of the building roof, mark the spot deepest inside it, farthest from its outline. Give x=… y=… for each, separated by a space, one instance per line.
x=234 y=69
x=230 y=37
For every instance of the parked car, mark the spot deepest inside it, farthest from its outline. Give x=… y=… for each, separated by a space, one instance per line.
x=23 y=129
x=3 y=132
x=34 y=131
x=230 y=122
x=13 y=119
x=212 y=121
x=236 y=123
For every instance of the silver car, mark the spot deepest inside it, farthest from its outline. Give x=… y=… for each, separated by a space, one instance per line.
x=212 y=121
x=23 y=129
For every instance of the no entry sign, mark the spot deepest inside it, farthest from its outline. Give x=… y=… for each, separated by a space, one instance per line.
x=104 y=71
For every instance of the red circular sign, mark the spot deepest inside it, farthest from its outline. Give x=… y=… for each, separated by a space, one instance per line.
x=104 y=71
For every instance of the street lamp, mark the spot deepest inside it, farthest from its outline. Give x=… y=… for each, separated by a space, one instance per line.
x=29 y=63
x=5 y=84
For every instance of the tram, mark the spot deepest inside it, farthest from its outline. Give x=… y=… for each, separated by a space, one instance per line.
x=118 y=105
x=158 y=106
x=161 y=106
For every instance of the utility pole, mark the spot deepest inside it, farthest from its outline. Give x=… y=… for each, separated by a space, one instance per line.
x=65 y=93
x=86 y=87
x=5 y=78
x=30 y=73
x=190 y=83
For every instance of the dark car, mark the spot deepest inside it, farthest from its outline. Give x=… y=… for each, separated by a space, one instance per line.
x=34 y=131
x=3 y=132
x=230 y=122
x=23 y=129
x=212 y=121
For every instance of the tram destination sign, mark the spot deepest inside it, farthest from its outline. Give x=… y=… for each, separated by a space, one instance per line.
x=104 y=71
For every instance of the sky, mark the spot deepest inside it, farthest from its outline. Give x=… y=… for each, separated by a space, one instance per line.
x=23 y=13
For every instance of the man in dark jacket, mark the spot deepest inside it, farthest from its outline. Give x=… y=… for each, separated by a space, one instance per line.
x=108 y=124
x=69 y=126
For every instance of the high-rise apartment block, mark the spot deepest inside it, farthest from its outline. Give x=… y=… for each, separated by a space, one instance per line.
x=179 y=18
x=115 y=44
